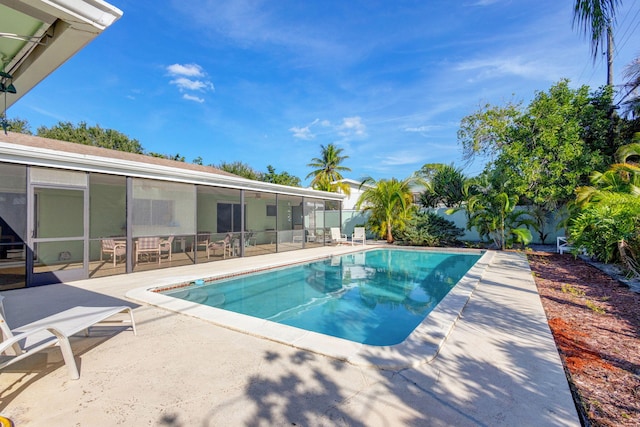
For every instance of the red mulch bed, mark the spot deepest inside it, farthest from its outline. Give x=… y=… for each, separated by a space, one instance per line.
x=595 y=321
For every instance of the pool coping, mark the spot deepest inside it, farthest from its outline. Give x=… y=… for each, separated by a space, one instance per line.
x=422 y=345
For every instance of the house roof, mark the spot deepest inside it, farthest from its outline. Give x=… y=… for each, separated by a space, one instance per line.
x=37 y=36
x=37 y=151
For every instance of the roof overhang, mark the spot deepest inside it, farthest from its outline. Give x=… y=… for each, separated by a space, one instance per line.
x=37 y=36
x=15 y=153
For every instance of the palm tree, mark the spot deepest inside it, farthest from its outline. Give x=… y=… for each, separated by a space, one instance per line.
x=445 y=185
x=596 y=18
x=622 y=177
x=632 y=74
x=390 y=203
x=327 y=170
x=492 y=212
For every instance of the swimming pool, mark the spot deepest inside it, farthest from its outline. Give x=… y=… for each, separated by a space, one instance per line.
x=375 y=297
x=421 y=346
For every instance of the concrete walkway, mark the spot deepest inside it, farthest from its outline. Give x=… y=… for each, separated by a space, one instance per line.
x=498 y=367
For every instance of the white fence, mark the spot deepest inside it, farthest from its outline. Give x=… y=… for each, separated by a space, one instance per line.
x=353 y=218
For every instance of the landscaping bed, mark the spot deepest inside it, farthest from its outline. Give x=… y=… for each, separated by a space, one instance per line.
x=595 y=321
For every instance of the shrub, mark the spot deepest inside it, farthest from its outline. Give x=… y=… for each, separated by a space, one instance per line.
x=430 y=229
x=608 y=230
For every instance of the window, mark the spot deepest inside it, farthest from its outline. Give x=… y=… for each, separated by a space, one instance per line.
x=153 y=212
x=229 y=218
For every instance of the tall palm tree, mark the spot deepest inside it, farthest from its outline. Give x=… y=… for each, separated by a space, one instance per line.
x=328 y=170
x=596 y=18
x=390 y=203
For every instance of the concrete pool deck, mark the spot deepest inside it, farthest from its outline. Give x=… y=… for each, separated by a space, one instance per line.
x=498 y=367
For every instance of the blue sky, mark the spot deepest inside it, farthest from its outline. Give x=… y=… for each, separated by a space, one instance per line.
x=268 y=82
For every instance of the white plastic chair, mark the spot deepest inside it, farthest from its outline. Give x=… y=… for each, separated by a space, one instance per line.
x=56 y=329
x=562 y=245
x=336 y=237
x=358 y=236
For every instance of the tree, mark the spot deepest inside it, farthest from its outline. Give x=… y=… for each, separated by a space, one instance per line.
x=328 y=170
x=622 y=177
x=282 y=178
x=595 y=19
x=19 y=125
x=390 y=203
x=632 y=75
x=444 y=185
x=491 y=209
x=198 y=161
x=546 y=156
x=544 y=151
x=607 y=223
x=176 y=157
x=239 y=168
x=483 y=133
x=94 y=136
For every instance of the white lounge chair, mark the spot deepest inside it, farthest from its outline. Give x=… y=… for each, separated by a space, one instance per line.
x=358 y=236
x=56 y=329
x=336 y=237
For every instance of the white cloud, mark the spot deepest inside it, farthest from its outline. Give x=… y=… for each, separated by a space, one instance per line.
x=401 y=158
x=191 y=70
x=421 y=129
x=189 y=78
x=305 y=132
x=302 y=133
x=192 y=98
x=352 y=126
x=491 y=68
x=184 y=83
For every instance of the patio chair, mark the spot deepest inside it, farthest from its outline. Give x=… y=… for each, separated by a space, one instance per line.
x=53 y=330
x=336 y=237
x=248 y=236
x=166 y=245
x=563 y=245
x=358 y=236
x=113 y=248
x=224 y=244
x=202 y=240
x=147 y=246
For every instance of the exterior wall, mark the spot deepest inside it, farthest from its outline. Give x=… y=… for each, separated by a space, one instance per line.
x=351 y=219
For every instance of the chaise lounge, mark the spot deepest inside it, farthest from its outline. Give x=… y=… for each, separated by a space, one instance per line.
x=56 y=329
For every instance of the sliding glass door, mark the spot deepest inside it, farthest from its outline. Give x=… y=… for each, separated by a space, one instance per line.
x=57 y=224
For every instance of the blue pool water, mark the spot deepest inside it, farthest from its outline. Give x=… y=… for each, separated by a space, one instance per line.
x=375 y=297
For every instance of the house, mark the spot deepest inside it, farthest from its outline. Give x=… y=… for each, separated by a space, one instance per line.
x=65 y=206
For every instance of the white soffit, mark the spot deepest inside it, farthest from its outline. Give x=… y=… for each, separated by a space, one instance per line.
x=37 y=36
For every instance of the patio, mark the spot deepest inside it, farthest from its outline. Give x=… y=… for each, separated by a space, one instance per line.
x=498 y=367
